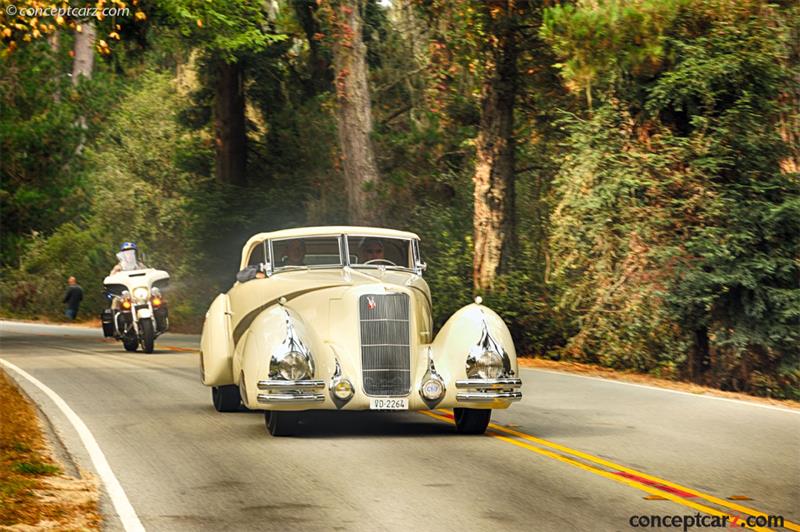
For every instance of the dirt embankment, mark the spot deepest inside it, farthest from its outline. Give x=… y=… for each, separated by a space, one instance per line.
x=638 y=378
x=36 y=492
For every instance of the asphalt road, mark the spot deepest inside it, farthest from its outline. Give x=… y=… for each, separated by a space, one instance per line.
x=575 y=454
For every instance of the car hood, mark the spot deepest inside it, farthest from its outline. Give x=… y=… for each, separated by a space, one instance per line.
x=250 y=298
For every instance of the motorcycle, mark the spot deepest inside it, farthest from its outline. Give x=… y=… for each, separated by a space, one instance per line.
x=138 y=313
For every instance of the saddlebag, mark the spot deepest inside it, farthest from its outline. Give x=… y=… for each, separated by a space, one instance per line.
x=107 y=318
x=162 y=318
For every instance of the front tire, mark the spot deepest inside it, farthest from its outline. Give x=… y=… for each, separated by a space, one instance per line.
x=281 y=423
x=226 y=398
x=472 y=420
x=130 y=344
x=148 y=335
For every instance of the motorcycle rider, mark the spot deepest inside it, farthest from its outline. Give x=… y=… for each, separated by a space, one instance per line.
x=127 y=259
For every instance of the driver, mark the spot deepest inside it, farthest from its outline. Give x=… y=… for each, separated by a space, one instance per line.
x=127 y=259
x=295 y=253
x=371 y=249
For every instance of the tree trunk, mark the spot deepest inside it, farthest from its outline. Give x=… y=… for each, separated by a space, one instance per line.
x=54 y=40
x=82 y=67
x=493 y=221
x=700 y=356
x=84 y=52
x=354 y=112
x=319 y=65
x=230 y=134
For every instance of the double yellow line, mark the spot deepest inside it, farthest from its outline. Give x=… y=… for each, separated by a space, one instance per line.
x=590 y=463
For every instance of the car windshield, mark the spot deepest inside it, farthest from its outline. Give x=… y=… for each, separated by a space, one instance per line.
x=306 y=252
x=371 y=251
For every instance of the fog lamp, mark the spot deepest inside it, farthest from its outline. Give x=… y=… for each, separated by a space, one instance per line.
x=343 y=390
x=432 y=389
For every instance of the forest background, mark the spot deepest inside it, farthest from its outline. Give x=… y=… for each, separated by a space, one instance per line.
x=617 y=178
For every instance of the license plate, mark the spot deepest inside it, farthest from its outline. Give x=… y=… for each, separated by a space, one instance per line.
x=389 y=403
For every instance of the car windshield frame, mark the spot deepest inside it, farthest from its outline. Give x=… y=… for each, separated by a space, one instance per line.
x=274 y=268
x=344 y=255
x=412 y=253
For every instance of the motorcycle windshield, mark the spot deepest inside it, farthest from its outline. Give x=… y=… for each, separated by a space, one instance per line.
x=127 y=260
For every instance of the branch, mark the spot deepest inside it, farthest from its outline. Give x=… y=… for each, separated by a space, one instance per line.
x=395 y=114
x=526 y=169
x=398 y=80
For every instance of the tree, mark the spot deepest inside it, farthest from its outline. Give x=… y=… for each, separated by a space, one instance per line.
x=493 y=219
x=675 y=234
x=230 y=133
x=227 y=34
x=353 y=109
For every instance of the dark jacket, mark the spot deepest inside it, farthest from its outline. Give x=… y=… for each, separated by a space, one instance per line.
x=73 y=297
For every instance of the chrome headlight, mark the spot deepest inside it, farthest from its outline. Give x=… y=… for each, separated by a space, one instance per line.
x=295 y=366
x=484 y=364
x=140 y=294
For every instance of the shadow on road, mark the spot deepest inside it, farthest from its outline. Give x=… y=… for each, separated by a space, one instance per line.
x=332 y=424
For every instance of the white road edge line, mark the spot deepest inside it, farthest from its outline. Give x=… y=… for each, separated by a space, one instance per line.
x=123 y=507
x=614 y=381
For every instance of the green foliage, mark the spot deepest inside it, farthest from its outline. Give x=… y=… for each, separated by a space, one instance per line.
x=226 y=30
x=605 y=42
x=676 y=233
x=35 y=468
x=38 y=139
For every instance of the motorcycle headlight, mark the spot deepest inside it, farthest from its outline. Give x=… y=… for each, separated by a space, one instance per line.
x=484 y=364
x=295 y=366
x=140 y=294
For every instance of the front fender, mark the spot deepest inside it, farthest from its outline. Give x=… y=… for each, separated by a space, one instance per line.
x=461 y=332
x=268 y=330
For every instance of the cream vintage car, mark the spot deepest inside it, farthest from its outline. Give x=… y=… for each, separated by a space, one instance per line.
x=339 y=318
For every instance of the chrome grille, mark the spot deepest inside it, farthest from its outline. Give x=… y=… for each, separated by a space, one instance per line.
x=385 y=350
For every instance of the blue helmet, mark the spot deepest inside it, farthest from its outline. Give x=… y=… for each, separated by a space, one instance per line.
x=127 y=245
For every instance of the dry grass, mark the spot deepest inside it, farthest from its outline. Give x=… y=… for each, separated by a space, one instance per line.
x=35 y=494
x=638 y=378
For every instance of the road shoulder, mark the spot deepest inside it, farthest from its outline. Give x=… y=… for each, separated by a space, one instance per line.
x=588 y=370
x=40 y=485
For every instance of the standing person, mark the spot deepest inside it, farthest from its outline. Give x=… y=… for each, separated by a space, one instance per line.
x=73 y=298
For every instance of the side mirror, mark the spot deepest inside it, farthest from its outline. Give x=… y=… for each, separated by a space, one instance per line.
x=422 y=266
x=247 y=274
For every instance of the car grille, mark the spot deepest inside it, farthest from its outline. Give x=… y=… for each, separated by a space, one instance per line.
x=385 y=350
